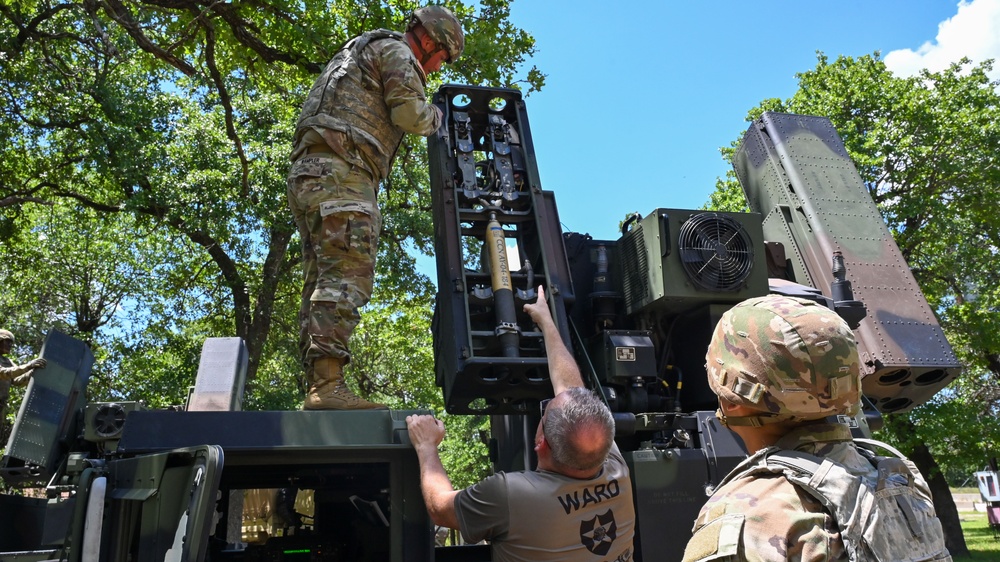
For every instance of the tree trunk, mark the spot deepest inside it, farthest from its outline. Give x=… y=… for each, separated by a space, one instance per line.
x=993 y=363
x=258 y=328
x=944 y=504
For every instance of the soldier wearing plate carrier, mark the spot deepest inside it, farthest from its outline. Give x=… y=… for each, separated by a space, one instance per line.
x=369 y=96
x=786 y=372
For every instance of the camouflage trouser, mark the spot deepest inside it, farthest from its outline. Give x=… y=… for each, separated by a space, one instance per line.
x=338 y=219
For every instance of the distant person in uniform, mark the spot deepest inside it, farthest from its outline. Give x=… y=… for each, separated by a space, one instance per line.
x=369 y=96
x=12 y=375
x=787 y=375
x=577 y=505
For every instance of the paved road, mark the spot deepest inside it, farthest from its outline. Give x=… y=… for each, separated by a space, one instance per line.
x=967 y=502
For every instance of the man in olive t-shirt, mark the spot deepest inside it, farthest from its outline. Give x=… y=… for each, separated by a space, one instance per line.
x=576 y=506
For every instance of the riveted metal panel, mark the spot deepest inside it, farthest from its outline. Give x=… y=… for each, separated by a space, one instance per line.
x=818 y=205
x=47 y=417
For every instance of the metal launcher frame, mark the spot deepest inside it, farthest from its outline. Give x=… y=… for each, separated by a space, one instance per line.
x=795 y=171
x=488 y=206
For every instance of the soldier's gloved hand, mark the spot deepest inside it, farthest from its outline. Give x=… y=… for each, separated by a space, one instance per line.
x=38 y=363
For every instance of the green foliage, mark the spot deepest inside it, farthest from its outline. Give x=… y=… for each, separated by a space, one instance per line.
x=169 y=125
x=728 y=195
x=464 y=451
x=391 y=355
x=926 y=150
x=142 y=188
x=393 y=361
x=979 y=537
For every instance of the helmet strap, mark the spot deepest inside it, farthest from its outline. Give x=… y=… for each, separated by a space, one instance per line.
x=769 y=418
x=751 y=421
x=419 y=35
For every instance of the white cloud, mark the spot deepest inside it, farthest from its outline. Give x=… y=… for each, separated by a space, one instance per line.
x=973 y=32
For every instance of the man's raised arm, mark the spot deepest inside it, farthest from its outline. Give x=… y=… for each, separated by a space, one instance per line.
x=563 y=371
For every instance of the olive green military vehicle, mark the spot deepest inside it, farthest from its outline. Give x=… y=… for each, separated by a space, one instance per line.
x=115 y=482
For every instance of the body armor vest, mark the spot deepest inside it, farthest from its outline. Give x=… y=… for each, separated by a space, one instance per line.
x=886 y=516
x=348 y=98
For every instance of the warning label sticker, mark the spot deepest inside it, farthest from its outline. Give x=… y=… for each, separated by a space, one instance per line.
x=625 y=353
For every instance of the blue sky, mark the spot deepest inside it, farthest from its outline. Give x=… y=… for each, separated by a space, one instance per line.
x=640 y=95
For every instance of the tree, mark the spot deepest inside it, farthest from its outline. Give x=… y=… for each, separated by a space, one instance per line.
x=392 y=357
x=174 y=120
x=77 y=271
x=926 y=148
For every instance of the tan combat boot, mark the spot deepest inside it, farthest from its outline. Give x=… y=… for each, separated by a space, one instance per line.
x=327 y=390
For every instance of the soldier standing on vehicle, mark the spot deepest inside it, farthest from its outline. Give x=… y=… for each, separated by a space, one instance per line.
x=11 y=374
x=369 y=96
x=576 y=506
x=786 y=372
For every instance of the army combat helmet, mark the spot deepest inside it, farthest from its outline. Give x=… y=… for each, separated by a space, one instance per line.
x=6 y=335
x=442 y=26
x=790 y=359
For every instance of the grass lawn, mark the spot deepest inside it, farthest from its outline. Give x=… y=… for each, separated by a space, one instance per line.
x=978 y=537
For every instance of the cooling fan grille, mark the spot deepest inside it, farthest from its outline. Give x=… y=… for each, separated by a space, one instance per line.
x=716 y=252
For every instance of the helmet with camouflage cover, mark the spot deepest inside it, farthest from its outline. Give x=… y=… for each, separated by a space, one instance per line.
x=442 y=26
x=6 y=335
x=790 y=359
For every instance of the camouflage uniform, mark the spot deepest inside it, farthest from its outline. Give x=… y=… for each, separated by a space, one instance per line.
x=352 y=122
x=794 y=361
x=6 y=377
x=770 y=519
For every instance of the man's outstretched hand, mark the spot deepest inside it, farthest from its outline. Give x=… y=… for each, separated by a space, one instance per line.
x=539 y=310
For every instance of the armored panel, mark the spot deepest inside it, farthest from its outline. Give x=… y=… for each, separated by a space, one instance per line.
x=48 y=414
x=21 y=522
x=322 y=485
x=159 y=430
x=796 y=171
x=497 y=238
x=172 y=497
x=671 y=485
x=674 y=260
x=222 y=372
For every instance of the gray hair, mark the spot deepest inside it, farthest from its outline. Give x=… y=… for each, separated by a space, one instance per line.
x=562 y=427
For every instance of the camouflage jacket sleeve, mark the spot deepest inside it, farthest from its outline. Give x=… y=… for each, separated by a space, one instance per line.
x=764 y=519
x=403 y=84
x=9 y=371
